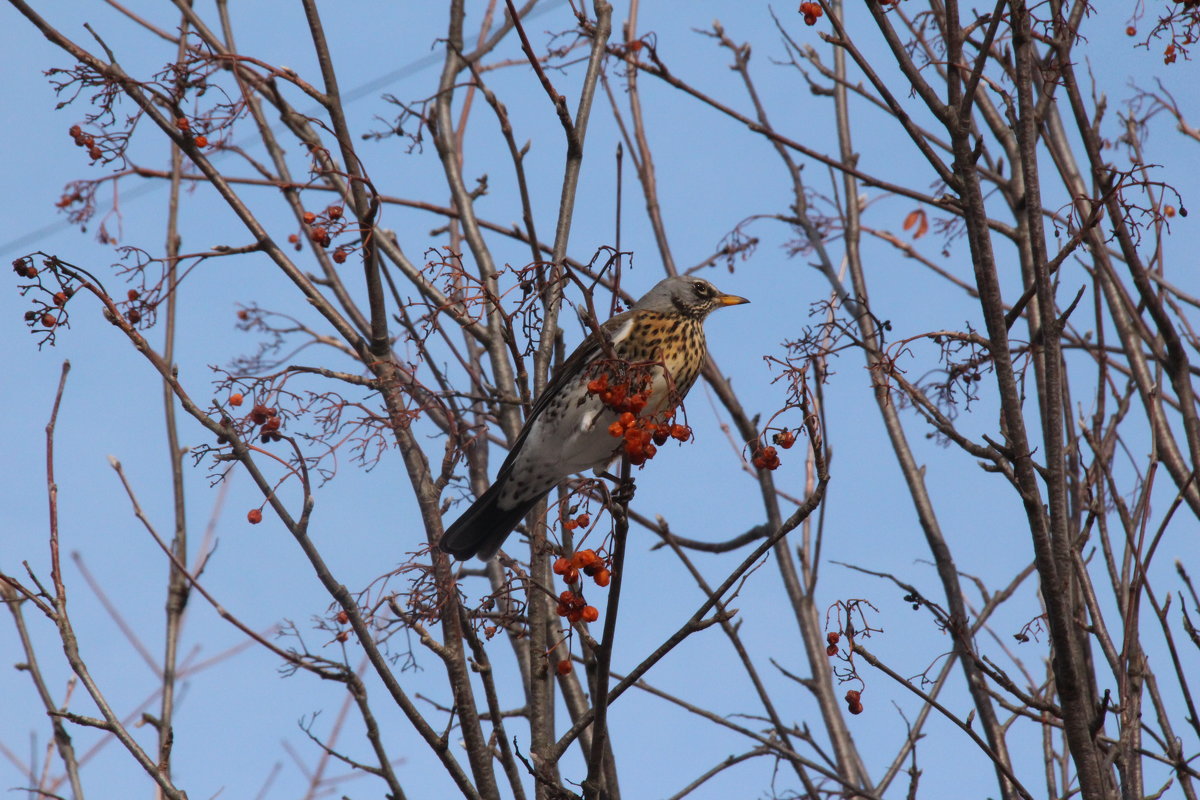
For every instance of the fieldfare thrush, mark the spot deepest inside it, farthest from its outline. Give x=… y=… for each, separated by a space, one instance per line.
x=657 y=346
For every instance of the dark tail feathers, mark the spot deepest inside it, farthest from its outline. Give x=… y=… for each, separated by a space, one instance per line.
x=483 y=527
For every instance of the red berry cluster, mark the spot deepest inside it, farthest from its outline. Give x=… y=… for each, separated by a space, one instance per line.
x=586 y=561
x=618 y=395
x=319 y=230
x=575 y=608
x=832 y=638
x=642 y=435
x=24 y=267
x=854 y=701
x=268 y=418
x=811 y=12
x=765 y=458
x=579 y=522
x=87 y=141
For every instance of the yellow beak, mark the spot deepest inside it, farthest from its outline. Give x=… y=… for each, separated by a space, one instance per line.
x=731 y=300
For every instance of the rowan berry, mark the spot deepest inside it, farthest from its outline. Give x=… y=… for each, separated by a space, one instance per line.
x=602 y=578
x=201 y=141
x=343 y=617
x=134 y=316
x=334 y=212
x=590 y=614
x=784 y=439
x=60 y=299
x=309 y=217
x=132 y=294
x=564 y=667
x=48 y=321
x=235 y=399
x=561 y=565
x=342 y=636
x=831 y=650
x=254 y=516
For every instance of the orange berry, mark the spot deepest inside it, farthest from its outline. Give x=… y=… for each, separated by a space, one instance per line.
x=235 y=399
x=1131 y=31
x=60 y=299
x=833 y=637
x=564 y=667
x=339 y=256
x=567 y=598
x=681 y=432
x=583 y=520
x=309 y=217
x=853 y=696
x=571 y=575
x=48 y=321
x=784 y=439
x=254 y=516
x=590 y=614
x=201 y=141
x=343 y=617
x=616 y=429
x=831 y=650
x=561 y=565
x=182 y=123
x=602 y=578
x=1169 y=211
x=342 y=636
x=334 y=212
x=271 y=425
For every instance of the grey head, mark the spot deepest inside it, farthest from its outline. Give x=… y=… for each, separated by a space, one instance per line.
x=687 y=295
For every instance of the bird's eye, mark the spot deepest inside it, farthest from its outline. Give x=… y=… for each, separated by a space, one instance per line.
x=703 y=289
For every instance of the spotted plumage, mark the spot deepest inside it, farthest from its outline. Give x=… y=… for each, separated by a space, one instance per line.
x=567 y=430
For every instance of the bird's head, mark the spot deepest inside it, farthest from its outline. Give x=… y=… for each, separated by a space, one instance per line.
x=687 y=295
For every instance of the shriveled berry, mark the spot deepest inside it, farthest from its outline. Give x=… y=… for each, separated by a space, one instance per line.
x=833 y=637
x=334 y=212
x=590 y=614
x=48 y=321
x=254 y=516
x=342 y=617
x=134 y=316
x=831 y=650
x=60 y=299
x=784 y=439
x=564 y=667
x=132 y=294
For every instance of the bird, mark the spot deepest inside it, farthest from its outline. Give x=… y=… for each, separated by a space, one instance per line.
x=657 y=348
